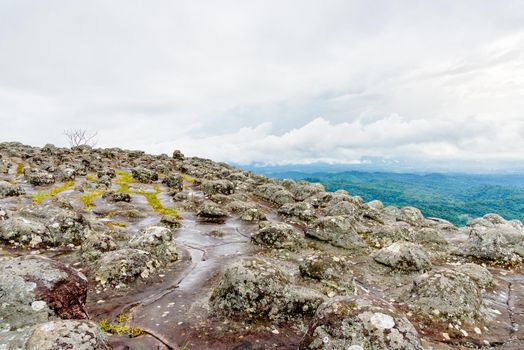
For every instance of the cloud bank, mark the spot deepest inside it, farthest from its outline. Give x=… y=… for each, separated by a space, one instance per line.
x=270 y=81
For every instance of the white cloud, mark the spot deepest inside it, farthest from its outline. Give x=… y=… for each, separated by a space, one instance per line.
x=353 y=142
x=247 y=79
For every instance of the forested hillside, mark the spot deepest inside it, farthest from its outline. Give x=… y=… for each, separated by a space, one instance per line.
x=456 y=197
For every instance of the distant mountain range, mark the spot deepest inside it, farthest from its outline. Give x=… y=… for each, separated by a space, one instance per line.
x=456 y=197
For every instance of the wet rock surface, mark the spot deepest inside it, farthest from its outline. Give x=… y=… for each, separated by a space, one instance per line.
x=109 y=248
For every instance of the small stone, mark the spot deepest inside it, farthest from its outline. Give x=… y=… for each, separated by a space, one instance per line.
x=383 y=321
x=38 y=305
x=446 y=336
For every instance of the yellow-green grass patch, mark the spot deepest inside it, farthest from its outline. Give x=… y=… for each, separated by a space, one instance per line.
x=19 y=169
x=88 y=198
x=40 y=196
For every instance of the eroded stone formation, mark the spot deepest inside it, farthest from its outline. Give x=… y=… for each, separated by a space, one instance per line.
x=106 y=248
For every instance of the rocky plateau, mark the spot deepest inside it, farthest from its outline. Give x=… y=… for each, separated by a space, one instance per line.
x=119 y=249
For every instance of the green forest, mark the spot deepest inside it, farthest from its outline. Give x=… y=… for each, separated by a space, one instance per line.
x=454 y=197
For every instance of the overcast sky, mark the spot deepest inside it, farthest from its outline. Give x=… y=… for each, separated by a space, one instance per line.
x=270 y=81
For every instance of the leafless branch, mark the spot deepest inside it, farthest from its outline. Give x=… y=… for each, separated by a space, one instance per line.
x=80 y=137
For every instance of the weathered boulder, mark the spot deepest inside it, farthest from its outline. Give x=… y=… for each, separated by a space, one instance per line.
x=446 y=296
x=20 y=231
x=96 y=244
x=174 y=182
x=253 y=215
x=109 y=172
x=278 y=235
x=477 y=273
x=248 y=211
x=274 y=193
x=65 y=173
x=39 y=177
x=340 y=231
x=114 y=196
x=212 y=187
x=35 y=289
x=211 y=211
x=411 y=215
x=104 y=181
x=62 y=226
x=391 y=232
x=144 y=175
x=358 y=323
x=303 y=189
x=258 y=289
x=178 y=155
x=342 y=208
x=301 y=211
x=323 y=267
x=494 y=239
x=170 y=221
x=375 y=204
x=56 y=335
x=157 y=240
x=124 y=266
x=68 y=226
x=9 y=190
x=404 y=257
x=429 y=236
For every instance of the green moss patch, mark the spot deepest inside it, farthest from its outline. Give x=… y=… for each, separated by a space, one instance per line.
x=19 y=169
x=119 y=327
x=40 y=196
x=123 y=179
x=88 y=198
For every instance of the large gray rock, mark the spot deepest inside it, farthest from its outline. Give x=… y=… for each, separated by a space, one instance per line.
x=174 y=182
x=65 y=173
x=144 y=175
x=114 y=196
x=494 y=239
x=302 y=190
x=356 y=323
x=342 y=208
x=404 y=257
x=125 y=266
x=447 y=296
x=211 y=211
x=56 y=335
x=9 y=190
x=44 y=225
x=324 y=267
x=278 y=235
x=412 y=216
x=391 y=232
x=178 y=155
x=274 y=193
x=212 y=187
x=96 y=244
x=157 y=240
x=20 y=231
x=258 y=289
x=340 y=231
x=301 y=211
x=477 y=273
x=35 y=289
x=39 y=177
